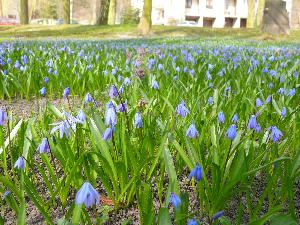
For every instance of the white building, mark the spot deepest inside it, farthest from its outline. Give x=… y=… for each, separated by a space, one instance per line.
x=205 y=13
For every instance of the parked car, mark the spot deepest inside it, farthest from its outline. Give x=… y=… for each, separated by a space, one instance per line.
x=187 y=24
x=8 y=21
x=61 y=21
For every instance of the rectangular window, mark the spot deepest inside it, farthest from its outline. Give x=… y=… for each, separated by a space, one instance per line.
x=188 y=3
x=209 y=4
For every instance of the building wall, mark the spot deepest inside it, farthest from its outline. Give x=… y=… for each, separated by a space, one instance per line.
x=295 y=14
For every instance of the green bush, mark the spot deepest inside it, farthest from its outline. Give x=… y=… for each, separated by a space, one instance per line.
x=130 y=16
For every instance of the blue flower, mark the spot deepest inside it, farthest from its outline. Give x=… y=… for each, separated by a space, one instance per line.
x=283 y=112
x=44 y=147
x=88 y=98
x=231 y=132
x=221 y=117
x=3 y=117
x=192 y=222
x=107 y=135
x=252 y=122
x=196 y=173
x=43 y=91
x=63 y=127
x=87 y=195
x=210 y=100
x=127 y=81
x=174 y=200
x=110 y=115
x=276 y=134
x=46 y=80
x=182 y=110
x=122 y=107
x=269 y=98
x=257 y=128
x=20 y=163
x=235 y=118
x=292 y=92
x=81 y=116
x=259 y=103
x=113 y=92
x=138 y=122
x=155 y=85
x=6 y=193
x=66 y=92
x=192 y=132
x=217 y=215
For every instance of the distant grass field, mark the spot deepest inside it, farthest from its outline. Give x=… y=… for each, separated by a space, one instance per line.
x=130 y=31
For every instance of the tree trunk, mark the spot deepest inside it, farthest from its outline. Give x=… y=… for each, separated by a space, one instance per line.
x=67 y=11
x=1 y=9
x=260 y=12
x=24 y=12
x=112 y=12
x=251 y=11
x=145 y=22
x=104 y=10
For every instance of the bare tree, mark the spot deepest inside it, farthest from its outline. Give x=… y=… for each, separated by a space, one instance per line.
x=112 y=12
x=260 y=13
x=24 y=19
x=67 y=11
x=1 y=9
x=146 y=22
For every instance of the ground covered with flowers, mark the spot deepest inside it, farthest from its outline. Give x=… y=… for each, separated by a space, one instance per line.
x=149 y=132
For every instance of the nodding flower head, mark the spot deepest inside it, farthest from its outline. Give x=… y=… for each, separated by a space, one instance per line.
x=81 y=116
x=231 y=132
x=174 y=200
x=44 y=147
x=196 y=173
x=3 y=117
x=107 y=135
x=87 y=195
x=113 y=92
x=217 y=215
x=155 y=85
x=221 y=117
x=66 y=92
x=192 y=222
x=235 y=118
x=258 y=103
x=63 y=127
x=110 y=115
x=182 y=110
x=88 y=98
x=138 y=121
x=20 y=163
x=269 y=98
x=252 y=122
x=43 y=91
x=192 y=132
x=210 y=100
x=276 y=134
x=283 y=112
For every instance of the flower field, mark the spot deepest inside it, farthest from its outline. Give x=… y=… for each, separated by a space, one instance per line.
x=205 y=132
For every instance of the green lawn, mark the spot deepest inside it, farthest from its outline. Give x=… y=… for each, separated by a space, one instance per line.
x=130 y=31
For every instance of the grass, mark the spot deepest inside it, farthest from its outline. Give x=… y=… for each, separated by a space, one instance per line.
x=130 y=31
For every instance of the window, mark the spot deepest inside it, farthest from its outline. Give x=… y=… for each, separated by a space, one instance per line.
x=188 y=3
x=209 y=4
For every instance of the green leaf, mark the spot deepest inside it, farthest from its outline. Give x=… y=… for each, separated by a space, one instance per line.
x=283 y=220
x=13 y=133
x=164 y=217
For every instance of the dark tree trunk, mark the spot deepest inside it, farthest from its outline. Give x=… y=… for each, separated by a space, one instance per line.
x=67 y=11
x=24 y=12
